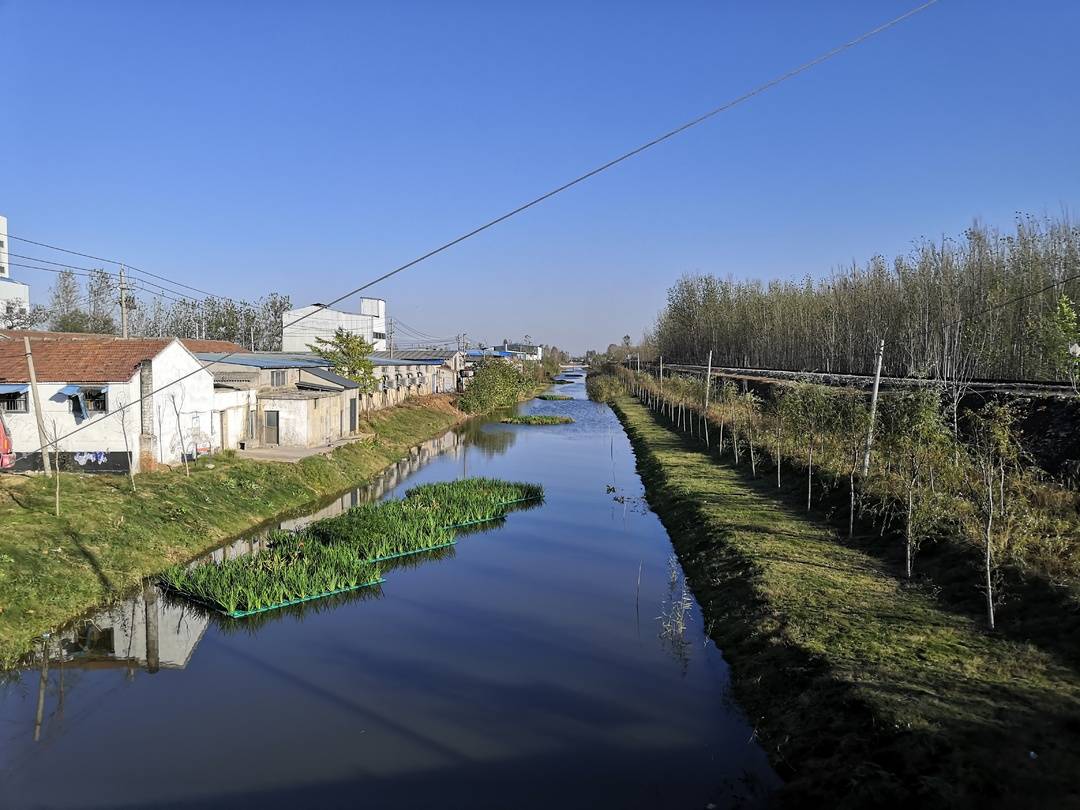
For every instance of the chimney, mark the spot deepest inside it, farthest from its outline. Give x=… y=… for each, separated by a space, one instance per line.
x=147 y=440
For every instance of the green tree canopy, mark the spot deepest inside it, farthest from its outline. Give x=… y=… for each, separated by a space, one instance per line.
x=348 y=355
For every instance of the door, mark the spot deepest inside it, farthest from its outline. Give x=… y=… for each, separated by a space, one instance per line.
x=352 y=415
x=270 y=430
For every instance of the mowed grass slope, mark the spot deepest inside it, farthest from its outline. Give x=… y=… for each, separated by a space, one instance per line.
x=108 y=538
x=864 y=691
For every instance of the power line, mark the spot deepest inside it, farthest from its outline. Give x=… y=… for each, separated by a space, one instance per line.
x=1018 y=298
x=74 y=267
x=133 y=268
x=546 y=196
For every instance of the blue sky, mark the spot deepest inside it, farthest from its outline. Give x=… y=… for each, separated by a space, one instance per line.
x=308 y=147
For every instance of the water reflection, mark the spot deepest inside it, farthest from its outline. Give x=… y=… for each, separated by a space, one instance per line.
x=524 y=668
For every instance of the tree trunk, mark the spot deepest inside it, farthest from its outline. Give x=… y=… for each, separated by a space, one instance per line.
x=851 y=504
x=750 y=444
x=908 y=534
x=810 y=477
x=778 y=429
x=987 y=562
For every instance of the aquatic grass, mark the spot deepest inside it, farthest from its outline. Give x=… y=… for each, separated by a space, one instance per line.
x=349 y=550
x=537 y=419
x=290 y=570
x=554 y=397
x=563 y=382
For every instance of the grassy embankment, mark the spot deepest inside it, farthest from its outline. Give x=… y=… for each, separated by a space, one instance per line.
x=864 y=690
x=108 y=538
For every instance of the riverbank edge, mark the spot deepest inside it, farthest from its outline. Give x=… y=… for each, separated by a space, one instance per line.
x=109 y=539
x=817 y=716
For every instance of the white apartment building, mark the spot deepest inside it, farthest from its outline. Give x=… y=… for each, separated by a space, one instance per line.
x=12 y=293
x=369 y=322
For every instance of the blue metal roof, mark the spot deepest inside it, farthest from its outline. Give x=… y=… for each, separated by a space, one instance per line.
x=488 y=353
x=17 y=388
x=331 y=377
x=256 y=360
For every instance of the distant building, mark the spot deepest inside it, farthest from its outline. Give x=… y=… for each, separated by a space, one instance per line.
x=525 y=351
x=319 y=321
x=13 y=294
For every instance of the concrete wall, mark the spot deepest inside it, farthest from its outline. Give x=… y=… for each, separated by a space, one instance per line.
x=15 y=294
x=264 y=378
x=232 y=408
x=297 y=337
x=98 y=434
x=193 y=397
x=5 y=268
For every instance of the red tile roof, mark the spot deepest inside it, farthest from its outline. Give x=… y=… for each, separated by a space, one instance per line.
x=194 y=346
x=90 y=360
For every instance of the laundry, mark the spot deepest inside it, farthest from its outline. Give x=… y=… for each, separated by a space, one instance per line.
x=82 y=459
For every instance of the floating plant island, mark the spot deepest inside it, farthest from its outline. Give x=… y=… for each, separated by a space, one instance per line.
x=537 y=419
x=348 y=551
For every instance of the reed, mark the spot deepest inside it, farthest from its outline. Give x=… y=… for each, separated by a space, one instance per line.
x=349 y=550
x=289 y=570
x=537 y=419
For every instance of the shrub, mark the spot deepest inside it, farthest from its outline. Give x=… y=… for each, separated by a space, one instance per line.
x=496 y=384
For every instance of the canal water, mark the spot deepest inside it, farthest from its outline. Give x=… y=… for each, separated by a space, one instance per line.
x=550 y=661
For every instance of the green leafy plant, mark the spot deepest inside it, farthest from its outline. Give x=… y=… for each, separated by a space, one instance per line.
x=536 y=419
x=496 y=384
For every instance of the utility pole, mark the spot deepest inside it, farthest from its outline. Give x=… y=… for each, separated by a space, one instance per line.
x=253 y=337
x=873 y=409
x=123 y=304
x=37 y=409
x=390 y=336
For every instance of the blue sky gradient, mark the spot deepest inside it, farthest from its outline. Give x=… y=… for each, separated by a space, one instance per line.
x=308 y=147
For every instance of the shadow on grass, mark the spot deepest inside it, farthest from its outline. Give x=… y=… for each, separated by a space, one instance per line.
x=1031 y=610
x=865 y=692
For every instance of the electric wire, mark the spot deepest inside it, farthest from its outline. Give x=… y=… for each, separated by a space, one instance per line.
x=547 y=195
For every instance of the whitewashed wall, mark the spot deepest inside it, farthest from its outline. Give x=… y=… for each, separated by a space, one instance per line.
x=97 y=433
x=232 y=409
x=193 y=397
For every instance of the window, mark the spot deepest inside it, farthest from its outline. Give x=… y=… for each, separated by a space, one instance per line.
x=14 y=403
x=90 y=401
x=278 y=378
x=379 y=335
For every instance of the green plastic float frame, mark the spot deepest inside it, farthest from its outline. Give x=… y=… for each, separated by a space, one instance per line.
x=240 y=614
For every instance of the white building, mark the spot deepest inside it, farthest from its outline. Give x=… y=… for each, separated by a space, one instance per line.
x=83 y=384
x=13 y=295
x=318 y=321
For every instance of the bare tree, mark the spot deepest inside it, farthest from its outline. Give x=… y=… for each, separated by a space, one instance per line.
x=122 y=416
x=177 y=406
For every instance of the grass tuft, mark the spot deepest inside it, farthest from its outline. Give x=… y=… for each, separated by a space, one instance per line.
x=537 y=419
